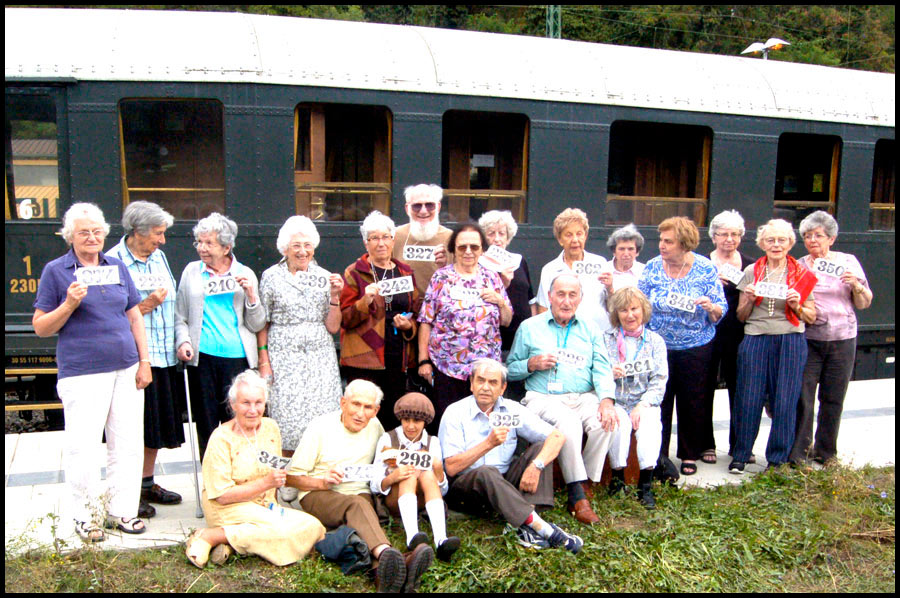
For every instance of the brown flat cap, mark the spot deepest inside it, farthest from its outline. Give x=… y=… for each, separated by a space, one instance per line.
x=414 y=405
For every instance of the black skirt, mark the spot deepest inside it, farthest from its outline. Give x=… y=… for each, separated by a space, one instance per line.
x=164 y=402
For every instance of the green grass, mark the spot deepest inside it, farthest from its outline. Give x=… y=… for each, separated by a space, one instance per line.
x=830 y=530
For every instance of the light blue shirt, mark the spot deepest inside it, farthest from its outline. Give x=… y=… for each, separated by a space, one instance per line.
x=541 y=334
x=219 y=334
x=464 y=425
x=159 y=323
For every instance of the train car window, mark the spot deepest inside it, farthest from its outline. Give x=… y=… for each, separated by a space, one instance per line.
x=881 y=210
x=484 y=164
x=32 y=165
x=656 y=171
x=342 y=161
x=173 y=154
x=806 y=175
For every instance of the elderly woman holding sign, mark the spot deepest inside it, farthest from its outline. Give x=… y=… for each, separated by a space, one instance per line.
x=302 y=303
x=242 y=470
x=830 y=339
x=640 y=369
x=465 y=306
x=775 y=305
x=378 y=325
x=90 y=301
x=684 y=290
x=217 y=316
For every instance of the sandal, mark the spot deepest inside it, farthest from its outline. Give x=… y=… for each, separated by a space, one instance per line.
x=709 y=456
x=197 y=549
x=688 y=468
x=89 y=532
x=220 y=554
x=128 y=525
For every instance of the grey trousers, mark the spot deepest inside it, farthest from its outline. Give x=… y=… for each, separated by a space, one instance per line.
x=830 y=367
x=485 y=490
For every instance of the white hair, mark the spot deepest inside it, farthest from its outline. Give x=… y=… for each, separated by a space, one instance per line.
x=376 y=221
x=627 y=233
x=820 y=219
x=776 y=224
x=296 y=225
x=248 y=378
x=225 y=228
x=726 y=219
x=364 y=388
x=425 y=191
x=494 y=218
x=141 y=216
x=78 y=211
x=486 y=363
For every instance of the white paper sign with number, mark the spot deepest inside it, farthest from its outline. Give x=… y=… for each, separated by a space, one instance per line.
x=395 y=286
x=638 y=366
x=823 y=267
x=570 y=358
x=498 y=259
x=771 y=290
x=465 y=294
x=420 y=253
x=273 y=461
x=150 y=281
x=97 y=275
x=732 y=274
x=682 y=302
x=418 y=459
x=505 y=420
x=220 y=285
x=362 y=473
x=587 y=268
x=314 y=281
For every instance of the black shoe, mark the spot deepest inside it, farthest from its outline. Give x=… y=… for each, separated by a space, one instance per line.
x=736 y=467
x=391 y=573
x=447 y=548
x=417 y=563
x=146 y=510
x=419 y=538
x=160 y=496
x=616 y=482
x=645 y=495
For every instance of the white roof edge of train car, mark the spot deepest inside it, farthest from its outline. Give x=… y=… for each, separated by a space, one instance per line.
x=135 y=45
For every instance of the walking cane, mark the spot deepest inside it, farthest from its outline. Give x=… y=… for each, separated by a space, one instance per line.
x=187 y=391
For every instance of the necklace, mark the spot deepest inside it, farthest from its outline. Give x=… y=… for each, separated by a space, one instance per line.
x=389 y=298
x=780 y=272
x=666 y=268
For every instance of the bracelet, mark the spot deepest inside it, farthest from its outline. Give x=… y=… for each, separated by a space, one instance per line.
x=146 y=360
x=262 y=348
x=426 y=361
x=335 y=304
x=259 y=365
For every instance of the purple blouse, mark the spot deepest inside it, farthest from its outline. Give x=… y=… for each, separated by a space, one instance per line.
x=464 y=329
x=835 y=312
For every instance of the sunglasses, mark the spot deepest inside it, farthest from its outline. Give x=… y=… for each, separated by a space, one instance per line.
x=468 y=247
x=417 y=207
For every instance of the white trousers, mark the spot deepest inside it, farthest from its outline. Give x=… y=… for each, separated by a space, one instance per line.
x=648 y=436
x=574 y=414
x=93 y=403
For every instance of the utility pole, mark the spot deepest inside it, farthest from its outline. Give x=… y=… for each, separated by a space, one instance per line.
x=554 y=21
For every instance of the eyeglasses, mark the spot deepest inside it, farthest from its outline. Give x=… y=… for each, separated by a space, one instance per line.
x=381 y=239
x=295 y=247
x=417 y=207
x=778 y=240
x=199 y=244
x=727 y=235
x=468 y=247
x=98 y=233
x=814 y=236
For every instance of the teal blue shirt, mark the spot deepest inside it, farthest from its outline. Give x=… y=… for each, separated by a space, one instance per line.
x=542 y=334
x=219 y=334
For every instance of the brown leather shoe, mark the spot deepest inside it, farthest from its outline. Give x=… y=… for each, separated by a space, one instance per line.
x=417 y=562
x=583 y=512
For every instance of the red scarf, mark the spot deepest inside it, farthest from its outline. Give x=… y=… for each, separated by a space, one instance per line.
x=798 y=278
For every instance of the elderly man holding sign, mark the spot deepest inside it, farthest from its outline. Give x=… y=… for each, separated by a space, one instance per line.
x=569 y=383
x=478 y=437
x=332 y=468
x=423 y=242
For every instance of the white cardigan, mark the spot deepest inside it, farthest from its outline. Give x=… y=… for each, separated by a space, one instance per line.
x=189 y=311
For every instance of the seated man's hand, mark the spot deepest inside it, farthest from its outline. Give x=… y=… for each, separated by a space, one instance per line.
x=530 y=478
x=541 y=362
x=609 y=419
x=333 y=477
x=498 y=436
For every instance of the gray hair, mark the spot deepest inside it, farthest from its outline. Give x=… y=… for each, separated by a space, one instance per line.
x=726 y=219
x=224 y=227
x=494 y=218
x=570 y=275
x=430 y=192
x=627 y=233
x=376 y=221
x=486 y=363
x=365 y=388
x=251 y=379
x=296 y=225
x=77 y=212
x=820 y=219
x=775 y=224
x=141 y=216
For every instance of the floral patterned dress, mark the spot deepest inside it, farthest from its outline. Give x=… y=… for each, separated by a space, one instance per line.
x=301 y=352
x=464 y=328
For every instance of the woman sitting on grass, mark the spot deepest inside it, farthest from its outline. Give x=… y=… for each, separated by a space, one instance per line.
x=419 y=484
x=241 y=470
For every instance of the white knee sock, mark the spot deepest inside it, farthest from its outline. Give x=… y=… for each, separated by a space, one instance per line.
x=540 y=526
x=409 y=513
x=435 y=509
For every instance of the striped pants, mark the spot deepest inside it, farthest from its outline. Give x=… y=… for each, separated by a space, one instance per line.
x=769 y=367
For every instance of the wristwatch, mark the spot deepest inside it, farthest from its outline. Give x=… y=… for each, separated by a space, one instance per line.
x=538 y=464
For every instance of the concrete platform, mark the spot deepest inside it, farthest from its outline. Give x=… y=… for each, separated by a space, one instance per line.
x=37 y=513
